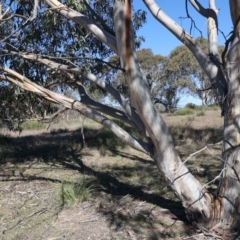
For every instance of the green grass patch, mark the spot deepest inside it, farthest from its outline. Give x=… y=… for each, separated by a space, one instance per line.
x=183 y=112
x=77 y=192
x=32 y=125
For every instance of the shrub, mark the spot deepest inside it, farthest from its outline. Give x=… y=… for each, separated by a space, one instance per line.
x=106 y=140
x=190 y=105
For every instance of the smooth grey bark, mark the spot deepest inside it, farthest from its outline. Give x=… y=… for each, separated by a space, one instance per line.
x=211 y=14
x=185 y=186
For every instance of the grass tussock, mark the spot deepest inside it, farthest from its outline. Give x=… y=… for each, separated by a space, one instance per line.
x=77 y=192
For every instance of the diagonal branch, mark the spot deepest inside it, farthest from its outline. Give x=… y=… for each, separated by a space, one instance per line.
x=199 y=8
x=211 y=67
x=28 y=20
x=99 y=107
x=82 y=20
x=130 y=111
x=25 y=83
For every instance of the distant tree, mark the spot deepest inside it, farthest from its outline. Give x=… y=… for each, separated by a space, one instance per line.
x=189 y=73
x=165 y=85
x=53 y=43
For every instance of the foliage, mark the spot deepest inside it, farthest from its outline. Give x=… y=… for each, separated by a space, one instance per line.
x=200 y=113
x=53 y=36
x=184 y=66
x=17 y=105
x=191 y=105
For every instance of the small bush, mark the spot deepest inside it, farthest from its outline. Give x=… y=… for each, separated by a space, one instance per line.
x=190 y=105
x=108 y=141
x=76 y=193
x=179 y=133
x=183 y=112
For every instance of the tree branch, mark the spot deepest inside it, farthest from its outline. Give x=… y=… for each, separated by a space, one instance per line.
x=30 y=19
x=131 y=113
x=164 y=153
x=82 y=20
x=69 y=103
x=211 y=68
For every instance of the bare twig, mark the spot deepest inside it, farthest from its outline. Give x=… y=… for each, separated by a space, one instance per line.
x=195 y=153
x=28 y=20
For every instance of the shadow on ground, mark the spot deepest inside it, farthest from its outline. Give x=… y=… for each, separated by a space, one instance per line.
x=131 y=192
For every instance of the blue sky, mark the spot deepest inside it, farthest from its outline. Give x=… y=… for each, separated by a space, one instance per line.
x=161 y=41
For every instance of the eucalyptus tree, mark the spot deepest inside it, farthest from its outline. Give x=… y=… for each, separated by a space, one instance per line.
x=217 y=214
x=187 y=70
x=166 y=78
x=54 y=37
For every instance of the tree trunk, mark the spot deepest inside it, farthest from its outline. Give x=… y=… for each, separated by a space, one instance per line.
x=226 y=211
x=217 y=214
x=193 y=196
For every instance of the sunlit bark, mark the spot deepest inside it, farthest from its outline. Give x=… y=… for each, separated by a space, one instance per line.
x=185 y=186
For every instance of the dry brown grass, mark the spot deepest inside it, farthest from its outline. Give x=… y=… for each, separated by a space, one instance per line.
x=132 y=200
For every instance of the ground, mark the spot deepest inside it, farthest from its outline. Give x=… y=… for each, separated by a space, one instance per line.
x=126 y=197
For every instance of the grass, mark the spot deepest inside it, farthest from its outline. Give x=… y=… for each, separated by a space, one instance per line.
x=191 y=109
x=32 y=125
x=183 y=112
x=77 y=192
x=200 y=113
x=118 y=193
